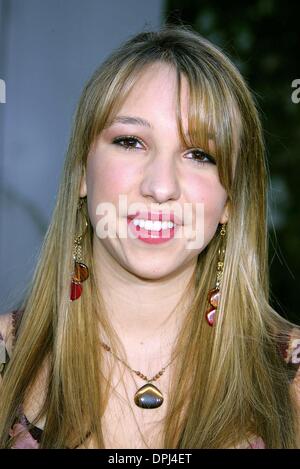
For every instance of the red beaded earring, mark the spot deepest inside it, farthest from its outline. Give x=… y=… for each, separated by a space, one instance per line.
x=81 y=271
x=214 y=294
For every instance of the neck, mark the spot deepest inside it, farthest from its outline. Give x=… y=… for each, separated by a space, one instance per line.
x=143 y=312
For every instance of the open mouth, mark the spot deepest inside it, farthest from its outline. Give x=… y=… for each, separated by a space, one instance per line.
x=152 y=232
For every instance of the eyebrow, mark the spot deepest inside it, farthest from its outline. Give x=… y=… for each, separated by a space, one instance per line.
x=129 y=120
x=134 y=120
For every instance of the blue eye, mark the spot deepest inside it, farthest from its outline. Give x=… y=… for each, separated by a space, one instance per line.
x=128 y=142
x=200 y=157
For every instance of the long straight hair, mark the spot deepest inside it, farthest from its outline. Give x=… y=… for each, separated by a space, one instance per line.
x=237 y=381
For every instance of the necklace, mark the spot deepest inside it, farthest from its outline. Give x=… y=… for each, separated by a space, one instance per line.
x=147 y=396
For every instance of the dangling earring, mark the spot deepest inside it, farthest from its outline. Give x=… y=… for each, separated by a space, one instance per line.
x=81 y=271
x=214 y=294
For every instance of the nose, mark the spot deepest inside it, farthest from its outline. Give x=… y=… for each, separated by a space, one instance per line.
x=160 y=179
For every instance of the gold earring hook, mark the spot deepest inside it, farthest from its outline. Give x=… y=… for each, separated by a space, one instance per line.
x=79 y=237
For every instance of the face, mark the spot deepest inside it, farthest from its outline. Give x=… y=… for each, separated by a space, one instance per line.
x=142 y=160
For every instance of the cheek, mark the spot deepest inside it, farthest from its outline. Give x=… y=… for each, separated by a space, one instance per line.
x=208 y=191
x=110 y=178
x=106 y=180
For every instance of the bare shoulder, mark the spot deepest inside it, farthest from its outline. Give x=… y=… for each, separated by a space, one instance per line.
x=6 y=330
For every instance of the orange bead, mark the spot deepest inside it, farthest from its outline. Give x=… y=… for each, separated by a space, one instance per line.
x=214 y=297
x=81 y=272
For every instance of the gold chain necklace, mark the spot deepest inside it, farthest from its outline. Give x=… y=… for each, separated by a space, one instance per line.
x=148 y=396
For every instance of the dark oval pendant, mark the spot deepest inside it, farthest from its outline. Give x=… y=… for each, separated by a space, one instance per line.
x=148 y=397
x=81 y=272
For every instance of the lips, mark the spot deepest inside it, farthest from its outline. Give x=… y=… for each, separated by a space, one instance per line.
x=149 y=236
x=156 y=216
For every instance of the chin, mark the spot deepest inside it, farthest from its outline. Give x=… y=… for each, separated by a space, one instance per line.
x=151 y=273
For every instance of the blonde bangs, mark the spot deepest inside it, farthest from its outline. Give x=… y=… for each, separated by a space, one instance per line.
x=214 y=121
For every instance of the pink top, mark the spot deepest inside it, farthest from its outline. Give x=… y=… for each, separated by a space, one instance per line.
x=30 y=435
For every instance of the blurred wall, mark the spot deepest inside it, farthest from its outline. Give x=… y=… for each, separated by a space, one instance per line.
x=48 y=49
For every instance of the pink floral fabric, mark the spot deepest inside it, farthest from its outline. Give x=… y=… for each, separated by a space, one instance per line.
x=292 y=352
x=258 y=443
x=24 y=439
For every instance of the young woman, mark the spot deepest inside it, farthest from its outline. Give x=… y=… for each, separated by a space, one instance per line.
x=147 y=323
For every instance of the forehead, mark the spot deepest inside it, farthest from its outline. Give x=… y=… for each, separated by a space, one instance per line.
x=154 y=93
x=157 y=83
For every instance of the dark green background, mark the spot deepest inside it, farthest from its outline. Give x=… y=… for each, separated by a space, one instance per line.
x=262 y=38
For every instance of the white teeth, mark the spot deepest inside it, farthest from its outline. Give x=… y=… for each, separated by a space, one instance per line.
x=140 y=223
x=153 y=225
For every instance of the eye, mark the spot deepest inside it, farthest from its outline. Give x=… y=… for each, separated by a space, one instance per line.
x=127 y=142
x=200 y=157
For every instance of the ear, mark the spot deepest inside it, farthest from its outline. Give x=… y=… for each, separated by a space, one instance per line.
x=83 y=188
x=225 y=214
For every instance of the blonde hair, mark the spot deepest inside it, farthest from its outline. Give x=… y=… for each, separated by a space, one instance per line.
x=237 y=382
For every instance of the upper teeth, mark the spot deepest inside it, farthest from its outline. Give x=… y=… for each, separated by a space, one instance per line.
x=153 y=225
